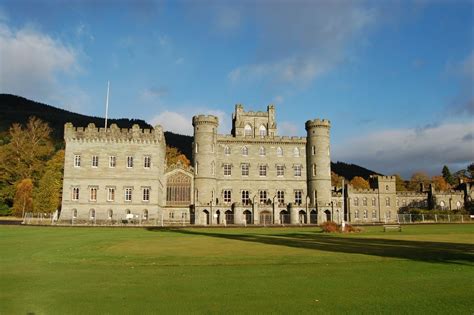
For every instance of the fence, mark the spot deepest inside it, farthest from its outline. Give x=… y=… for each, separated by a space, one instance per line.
x=245 y=219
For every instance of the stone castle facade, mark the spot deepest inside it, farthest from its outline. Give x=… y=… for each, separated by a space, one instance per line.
x=250 y=176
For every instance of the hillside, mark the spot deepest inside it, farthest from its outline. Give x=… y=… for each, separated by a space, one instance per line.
x=18 y=109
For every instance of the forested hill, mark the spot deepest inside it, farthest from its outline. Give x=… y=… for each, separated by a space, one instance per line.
x=16 y=109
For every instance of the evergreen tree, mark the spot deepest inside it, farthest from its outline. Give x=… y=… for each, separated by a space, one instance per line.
x=447 y=175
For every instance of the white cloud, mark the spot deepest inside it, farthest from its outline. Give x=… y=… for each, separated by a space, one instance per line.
x=181 y=121
x=408 y=150
x=153 y=94
x=34 y=65
x=301 y=41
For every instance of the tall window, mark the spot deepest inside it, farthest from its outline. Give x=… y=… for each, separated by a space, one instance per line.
x=279 y=151
x=297 y=170
x=364 y=201
x=110 y=194
x=75 y=193
x=227 y=196
x=313 y=150
x=262 y=131
x=248 y=130
x=374 y=202
x=95 y=161
x=387 y=201
x=146 y=193
x=298 y=197
x=314 y=169
x=129 y=161
x=263 y=196
x=147 y=161
x=77 y=160
x=226 y=150
x=245 y=169
x=93 y=194
x=280 y=170
x=374 y=214
x=245 y=197
x=365 y=214
x=227 y=170
x=356 y=201
x=261 y=151
x=112 y=161
x=245 y=151
x=262 y=171
x=281 y=197
x=296 y=152
x=356 y=214
x=178 y=190
x=128 y=194
x=196 y=167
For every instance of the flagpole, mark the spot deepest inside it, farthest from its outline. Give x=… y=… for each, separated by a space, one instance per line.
x=107 y=104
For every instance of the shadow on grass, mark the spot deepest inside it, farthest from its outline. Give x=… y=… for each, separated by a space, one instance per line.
x=435 y=252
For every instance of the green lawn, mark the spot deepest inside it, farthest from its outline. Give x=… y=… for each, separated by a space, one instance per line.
x=425 y=269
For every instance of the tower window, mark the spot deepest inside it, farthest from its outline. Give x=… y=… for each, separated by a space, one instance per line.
x=77 y=161
x=112 y=161
x=75 y=193
x=262 y=131
x=245 y=151
x=248 y=130
x=147 y=162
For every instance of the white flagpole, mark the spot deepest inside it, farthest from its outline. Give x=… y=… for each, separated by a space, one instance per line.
x=107 y=104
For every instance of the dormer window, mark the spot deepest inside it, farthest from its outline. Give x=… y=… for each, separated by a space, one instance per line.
x=247 y=130
x=262 y=131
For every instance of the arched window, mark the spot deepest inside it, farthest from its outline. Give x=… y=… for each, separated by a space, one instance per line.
x=374 y=214
x=178 y=190
x=245 y=151
x=92 y=214
x=356 y=201
x=365 y=214
x=74 y=213
x=386 y=187
x=387 y=201
x=261 y=151
x=374 y=202
x=226 y=150
x=247 y=130
x=364 y=201
x=279 y=151
x=356 y=214
x=110 y=214
x=458 y=204
x=262 y=131
x=296 y=152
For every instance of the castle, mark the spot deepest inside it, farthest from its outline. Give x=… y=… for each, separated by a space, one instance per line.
x=250 y=176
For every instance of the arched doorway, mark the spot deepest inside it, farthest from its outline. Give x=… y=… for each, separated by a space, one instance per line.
x=206 y=217
x=248 y=216
x=265 y=217
x=302 y=217
x=218 y=216
x=284 y=217
x=328 y=215
x=229 y=217
x=313 y=217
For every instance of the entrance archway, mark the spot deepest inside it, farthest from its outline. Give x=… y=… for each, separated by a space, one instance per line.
x=313 y=217
x=328 y=215
x=284 y=217
x=265 y=217
x=206 y=217
x=248 y=216
x=218 y=216
x=302 y=217
x=229 y=217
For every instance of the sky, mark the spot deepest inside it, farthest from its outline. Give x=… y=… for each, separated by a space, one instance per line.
x=396 y=78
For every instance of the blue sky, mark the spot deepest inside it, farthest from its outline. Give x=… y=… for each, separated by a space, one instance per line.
x=394 y=77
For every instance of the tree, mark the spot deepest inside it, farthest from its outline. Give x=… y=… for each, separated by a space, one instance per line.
x=417 y=179
x=470 y=170
x=47 y=197
x=336 y=180
x=400 y=183
x=360 y=183
x=25 y=155
x=440 y=183
x=23 y=201
x=447 y=175
x=173 y=155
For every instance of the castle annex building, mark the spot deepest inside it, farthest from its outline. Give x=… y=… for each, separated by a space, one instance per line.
x=250 y=176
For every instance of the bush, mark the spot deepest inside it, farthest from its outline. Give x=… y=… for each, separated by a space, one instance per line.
x=351 y=229
x=330 y=227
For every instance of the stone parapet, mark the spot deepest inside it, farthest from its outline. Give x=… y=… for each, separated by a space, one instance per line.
x=113 y=134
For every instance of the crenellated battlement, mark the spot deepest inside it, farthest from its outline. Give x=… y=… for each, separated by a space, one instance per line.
x=113 y=134
x=205 y=119
x=382 y=177
x=411 y=194
x=318 y=123
x=363 y=191
x=275 y=139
